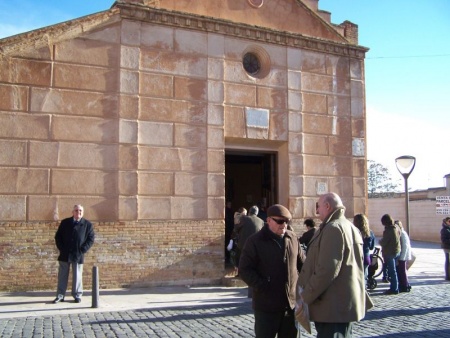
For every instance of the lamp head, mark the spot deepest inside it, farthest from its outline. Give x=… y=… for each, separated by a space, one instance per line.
x=405 y=165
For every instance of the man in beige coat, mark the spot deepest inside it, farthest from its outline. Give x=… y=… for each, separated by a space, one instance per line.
x=332 y=276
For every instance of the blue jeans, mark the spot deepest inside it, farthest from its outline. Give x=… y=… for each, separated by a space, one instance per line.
x=392 y=273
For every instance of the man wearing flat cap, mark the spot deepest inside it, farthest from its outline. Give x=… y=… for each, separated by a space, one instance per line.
x=269 y=263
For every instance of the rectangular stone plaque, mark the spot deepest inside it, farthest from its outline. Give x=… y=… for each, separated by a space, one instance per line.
x=257 y=117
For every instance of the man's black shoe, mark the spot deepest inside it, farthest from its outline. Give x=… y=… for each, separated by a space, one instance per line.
x=390 y=292
x=403 y=289
x=57 y=300
x=77 y=300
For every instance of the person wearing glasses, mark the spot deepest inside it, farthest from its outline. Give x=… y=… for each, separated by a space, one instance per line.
x=74 y=237
x=269 y=263
x=332 y=276
x=445 y=244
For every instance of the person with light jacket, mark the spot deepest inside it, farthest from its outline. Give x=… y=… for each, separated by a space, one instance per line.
x=332 y=276
x=403 y=258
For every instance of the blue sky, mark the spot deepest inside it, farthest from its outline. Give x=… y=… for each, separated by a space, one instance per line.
x=407 y=72
x=407 y=82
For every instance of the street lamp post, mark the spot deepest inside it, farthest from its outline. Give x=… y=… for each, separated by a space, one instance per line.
x=405 y=165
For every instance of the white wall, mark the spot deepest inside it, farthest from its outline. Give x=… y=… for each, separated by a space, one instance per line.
x=425 y=225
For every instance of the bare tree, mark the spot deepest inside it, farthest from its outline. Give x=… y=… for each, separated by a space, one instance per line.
x=379 y=180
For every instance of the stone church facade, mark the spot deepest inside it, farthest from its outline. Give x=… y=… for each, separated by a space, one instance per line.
x=132 y=112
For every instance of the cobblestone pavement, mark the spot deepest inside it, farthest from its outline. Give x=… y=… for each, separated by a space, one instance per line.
x=423 y=312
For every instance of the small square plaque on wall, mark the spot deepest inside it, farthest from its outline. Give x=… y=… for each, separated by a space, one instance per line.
x=322 y=188
x=256 y=117
x=358 y=147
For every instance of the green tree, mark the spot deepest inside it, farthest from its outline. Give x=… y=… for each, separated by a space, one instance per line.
x=379 y=179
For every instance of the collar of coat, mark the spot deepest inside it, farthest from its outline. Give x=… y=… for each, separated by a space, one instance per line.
x=269 y=234
x=337 y=213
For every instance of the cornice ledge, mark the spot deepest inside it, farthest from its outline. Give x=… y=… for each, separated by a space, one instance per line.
x=238 y=30
x=47 y=36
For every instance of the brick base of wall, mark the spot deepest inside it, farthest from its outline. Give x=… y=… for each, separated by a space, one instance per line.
x=127 y=254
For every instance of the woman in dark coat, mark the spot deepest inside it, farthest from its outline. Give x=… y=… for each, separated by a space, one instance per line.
x=445 y=244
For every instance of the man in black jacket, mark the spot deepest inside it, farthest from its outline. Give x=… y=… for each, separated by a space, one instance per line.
x=74 y=237
x=270 y=263
x=311 y=230
x=248 y=225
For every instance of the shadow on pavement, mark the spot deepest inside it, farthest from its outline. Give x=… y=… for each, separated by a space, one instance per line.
x=184 y=313
x=373 y=315
x=422 y=334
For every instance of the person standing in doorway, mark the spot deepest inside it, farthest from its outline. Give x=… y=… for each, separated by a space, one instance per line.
x=445 y=244
x=229 y=226
x=74 y=237
x=269 y=264
x=248 y=225
x=332 y=276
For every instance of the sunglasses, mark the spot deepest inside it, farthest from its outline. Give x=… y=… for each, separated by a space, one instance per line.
x=279 y=221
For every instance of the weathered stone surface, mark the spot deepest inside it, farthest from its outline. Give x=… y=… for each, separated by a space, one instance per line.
x=73 y=102
x=13 y=208
x=190 y=136
x=216 y=161
x=241 y=95
x=13 y=153
x=216 y=138
x=154 y=208
x=151 y=183
x=156 y=109
x=216 y=185
x=314 y=103
x=187 y=184
x=156 y=85
x=22 y=126
x=88 y=129
x=315 y=144
x=128 y=183
x=272 y=98
x=234 y=122
x=87 y=52
x=156 y=133
x=319 y=124
x=79 y=182
x=13 y=97
x=84 y=77
x=24 y=181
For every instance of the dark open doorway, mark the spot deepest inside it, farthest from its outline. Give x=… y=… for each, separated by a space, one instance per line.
x=250 y=178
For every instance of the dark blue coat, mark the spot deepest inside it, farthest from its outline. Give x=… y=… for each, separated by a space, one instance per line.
x=445 y=236
x=74 y=240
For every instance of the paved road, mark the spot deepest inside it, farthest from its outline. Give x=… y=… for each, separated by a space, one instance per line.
x=222 y=312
